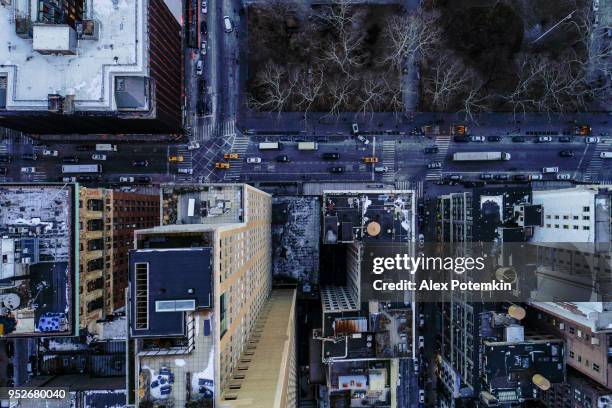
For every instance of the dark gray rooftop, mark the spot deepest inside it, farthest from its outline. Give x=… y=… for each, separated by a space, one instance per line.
x=173 y=274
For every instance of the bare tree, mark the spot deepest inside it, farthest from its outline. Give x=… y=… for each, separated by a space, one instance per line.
x=408 y=35
x=340 y=92
x=448 y=78
x=372 y=94
x=309 y=88
x=276 y=85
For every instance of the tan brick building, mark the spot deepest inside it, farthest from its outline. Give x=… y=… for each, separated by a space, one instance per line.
x=107 y=220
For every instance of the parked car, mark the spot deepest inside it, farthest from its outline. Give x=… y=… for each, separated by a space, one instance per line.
x=434 y=165
x=126 y=179
x=228 y=26
x=331 y=156
x=494 y=138
x=455 y=177
x=421 y=341
x=283 y=158
x=199 y=67
x=547 y=170
x=535 y=177
x=50 y=153
x=544 y=139
x=29 y=156
x=355 y=128
x=253 y=160
x=381 y=169
x=565 y=139
x=592 y=140
x=336 y=169
x=518 y=139
x=501 y=177
x=144 y=179
x=421 y=396
x=479 y=139
x=175 y=158
x=563 y=176
x=430 y=150
x=204 y=6
x=140 y=163
x=185 y=170
x=567 y=153
x=519 y=177
x=98 y=157
x=28 y=170
x=70 y=160
x=486 y=176
x=203 y=47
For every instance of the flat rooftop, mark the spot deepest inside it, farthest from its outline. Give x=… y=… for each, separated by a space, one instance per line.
x=88 y=75
x=165 y=284
x=37 y=229
x=264 y=378
x=203 y=204
x=368 y=216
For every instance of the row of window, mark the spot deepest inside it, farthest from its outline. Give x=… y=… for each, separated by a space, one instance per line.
x=567 y=217
x=576 y=227
x=593 y=366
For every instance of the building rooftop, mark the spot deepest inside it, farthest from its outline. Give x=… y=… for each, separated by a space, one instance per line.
x=36 y=283
x=587 y=314
x=368 y=216
x=264 y=377
x=203 y=204
x=85 y=62
x=337 y=299
x=166 y=283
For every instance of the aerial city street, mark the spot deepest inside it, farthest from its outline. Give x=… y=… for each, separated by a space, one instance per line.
x=193 y=194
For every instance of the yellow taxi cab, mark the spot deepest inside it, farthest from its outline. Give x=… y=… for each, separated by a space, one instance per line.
x=228 y=156
x=175 y=158
x=370 y=159
x=222 y=165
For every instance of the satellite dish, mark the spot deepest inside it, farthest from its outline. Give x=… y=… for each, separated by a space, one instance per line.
x=373 y=229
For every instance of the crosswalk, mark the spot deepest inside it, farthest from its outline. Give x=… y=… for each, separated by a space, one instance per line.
x=596 y=163
x=211 y=129
x=388 y=160
x=417 y=186
x=442 y=142
x=4 y=149
x=240 y=143
x=185 y=164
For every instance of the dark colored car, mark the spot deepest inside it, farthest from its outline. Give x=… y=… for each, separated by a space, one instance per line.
x=144 y=179
x=3 y=171
x=455 y=177
x=519 y=177
x=461 y=139
x=283 y=158
x=494 y=138
x=85 y=148
x=29 y=156
x=501 y=177
x=86 y=178
x=470 y=184
x=338 y=169
x=565 y=139
x=140 y=163
x=567 y=153
x=69 y=160
x=518 y=139
x=5 y=159
x=331 y=156
x=431 y=149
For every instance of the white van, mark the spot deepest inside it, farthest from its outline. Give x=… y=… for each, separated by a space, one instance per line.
x=547 y=170
x=227 y=24
x=605 y=155
x=381 y=169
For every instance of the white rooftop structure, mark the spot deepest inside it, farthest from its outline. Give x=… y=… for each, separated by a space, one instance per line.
x=118 y=49
x=593 y=315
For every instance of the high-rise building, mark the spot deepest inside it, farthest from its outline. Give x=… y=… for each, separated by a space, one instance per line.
x=39 y=268
x=368 y=346
x=198 y=285
x=484 y=352
x=107 y=220
x=109 y=67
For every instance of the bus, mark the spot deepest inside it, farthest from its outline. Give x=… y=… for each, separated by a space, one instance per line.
x=481 y=156
x=106 y=147
x=308 y=146
x=81 y=168
x=269 y=146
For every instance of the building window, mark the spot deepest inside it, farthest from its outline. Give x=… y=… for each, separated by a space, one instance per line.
x=566 y=227
x=586 y=209
x=556 y=217
x=595 y=368
x=572 y=330
x=223 y=314
x=566 y=217
x=576 y=227
x=586 y=217
x=548 y=225
x=556 y=225
x=175 y=305
x=579 y=358
x=586 y=227
x=576 y=217
x=571 y=354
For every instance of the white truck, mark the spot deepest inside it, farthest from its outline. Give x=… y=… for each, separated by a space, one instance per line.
x=308 y=146
x=106 y=147
x=481 y=156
